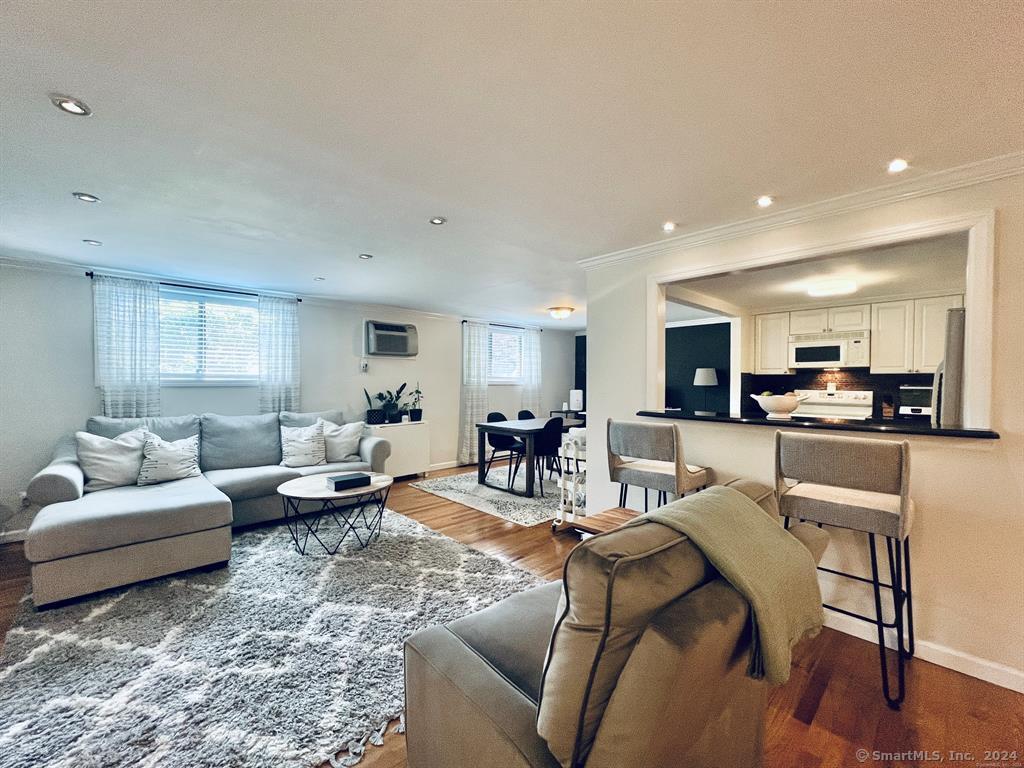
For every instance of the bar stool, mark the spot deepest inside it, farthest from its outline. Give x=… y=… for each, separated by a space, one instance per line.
x=862 y=485
x=650 y=456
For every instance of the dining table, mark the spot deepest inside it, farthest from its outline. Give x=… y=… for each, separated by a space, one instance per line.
x=525 y=430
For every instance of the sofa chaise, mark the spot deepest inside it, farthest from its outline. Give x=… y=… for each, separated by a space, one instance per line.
x=81 y=543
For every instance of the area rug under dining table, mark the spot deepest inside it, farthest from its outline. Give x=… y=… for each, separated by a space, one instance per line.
x=277 y=660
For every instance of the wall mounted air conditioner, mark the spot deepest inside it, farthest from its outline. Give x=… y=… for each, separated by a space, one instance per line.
x=391 y=339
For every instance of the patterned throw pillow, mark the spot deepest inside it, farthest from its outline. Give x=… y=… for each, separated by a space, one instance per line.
x=164 y=460
x=303 y=446
x=342 y=440
x=110 y=463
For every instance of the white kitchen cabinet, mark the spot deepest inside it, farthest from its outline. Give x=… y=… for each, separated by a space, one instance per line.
x=410 y=447
x=892 y=337
x=830 y=319
x=910 y=336
x=771 y=342
x=855 y=318
x=808 y=321
x=930 y=330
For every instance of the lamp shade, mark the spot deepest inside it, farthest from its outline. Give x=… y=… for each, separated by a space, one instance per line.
x=705 y=377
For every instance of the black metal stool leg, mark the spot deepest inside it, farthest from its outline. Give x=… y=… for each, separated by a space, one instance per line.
x=647 y=499
x=894 y=703
x=910 y=598
x=622 y=494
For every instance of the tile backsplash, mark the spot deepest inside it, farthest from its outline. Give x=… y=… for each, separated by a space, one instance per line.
x=884 y=385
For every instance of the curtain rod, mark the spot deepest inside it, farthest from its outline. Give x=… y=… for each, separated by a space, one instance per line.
x=505 y=325
x=90 y=275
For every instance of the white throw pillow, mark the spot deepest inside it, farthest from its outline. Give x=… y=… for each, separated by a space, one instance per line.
x=163 y=460
x=342 y=440
x=110 y=463
x=303 y=446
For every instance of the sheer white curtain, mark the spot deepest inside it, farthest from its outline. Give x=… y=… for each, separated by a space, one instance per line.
x=474 y=388
x=126 y=329
x=531 y=372
x=279 y=354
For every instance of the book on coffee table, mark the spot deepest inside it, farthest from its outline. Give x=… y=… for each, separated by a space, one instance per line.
x=347 y=480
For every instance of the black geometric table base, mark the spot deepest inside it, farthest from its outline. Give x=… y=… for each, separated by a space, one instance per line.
x=349 y=517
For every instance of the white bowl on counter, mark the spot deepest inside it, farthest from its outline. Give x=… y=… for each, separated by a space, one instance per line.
x=779 y=407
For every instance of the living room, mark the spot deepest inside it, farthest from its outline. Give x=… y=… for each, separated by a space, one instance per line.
x=313 y=314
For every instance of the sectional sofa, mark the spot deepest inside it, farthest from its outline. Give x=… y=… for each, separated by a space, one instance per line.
x=80 y=542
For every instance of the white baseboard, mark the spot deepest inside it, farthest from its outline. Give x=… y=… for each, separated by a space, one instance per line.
x=8 y=536
x=443 y=465
x=973 y=666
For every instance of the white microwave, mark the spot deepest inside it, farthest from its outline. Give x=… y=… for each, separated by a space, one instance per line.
x=850 y=349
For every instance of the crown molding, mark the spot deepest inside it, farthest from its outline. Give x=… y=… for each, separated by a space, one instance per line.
x=967 y=175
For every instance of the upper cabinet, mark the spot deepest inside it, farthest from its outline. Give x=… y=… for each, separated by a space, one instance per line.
x=771 y=341
x=910 y=336
x=830 y=319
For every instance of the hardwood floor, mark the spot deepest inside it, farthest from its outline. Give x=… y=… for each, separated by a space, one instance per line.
x=830 y=708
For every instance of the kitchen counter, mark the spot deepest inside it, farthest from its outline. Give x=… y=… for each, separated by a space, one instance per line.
x=882 y=426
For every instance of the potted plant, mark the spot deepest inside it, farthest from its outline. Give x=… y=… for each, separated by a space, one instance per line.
x=390 y=405
x=373 y=415
x=416 y=413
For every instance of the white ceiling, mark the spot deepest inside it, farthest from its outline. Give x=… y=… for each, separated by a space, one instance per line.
x=261 y=144
x=683 y=313
x=933 y=266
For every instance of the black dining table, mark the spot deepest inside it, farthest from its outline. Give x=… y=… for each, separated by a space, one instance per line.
x=524 y=429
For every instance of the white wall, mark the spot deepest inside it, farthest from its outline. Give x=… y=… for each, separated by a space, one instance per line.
x=969 y=532
x=46 y=372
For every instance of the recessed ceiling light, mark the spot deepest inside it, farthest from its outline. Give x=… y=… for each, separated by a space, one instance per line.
x=764 y=201
x=319 y=279
x=668 y=226
x=93 y=242
x=437 y=221
x=365 y=256
x=560 y=313
x=898 y=165
x=831 y=288
x=85 y=197
x=70 y=105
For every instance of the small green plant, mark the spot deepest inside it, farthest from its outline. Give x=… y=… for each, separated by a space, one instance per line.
x=417 y=396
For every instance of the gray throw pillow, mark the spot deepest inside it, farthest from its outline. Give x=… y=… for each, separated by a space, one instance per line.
x=342 y=440
x=164 y=460
x=232 y=442
x=303 y=446
x=110 y=463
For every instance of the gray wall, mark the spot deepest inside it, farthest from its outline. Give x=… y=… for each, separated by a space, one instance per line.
x=46 y=372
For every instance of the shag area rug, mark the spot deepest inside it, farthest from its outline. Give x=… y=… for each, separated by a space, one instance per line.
x=464 y=489
x=277 y=660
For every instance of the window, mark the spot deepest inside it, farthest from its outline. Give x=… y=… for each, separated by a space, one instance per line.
x=207 y=337
x=504 y=356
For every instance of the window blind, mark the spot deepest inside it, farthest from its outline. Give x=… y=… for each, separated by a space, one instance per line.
x=505 y=356
x=208 y=337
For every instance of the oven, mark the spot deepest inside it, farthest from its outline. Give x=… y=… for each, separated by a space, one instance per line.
x=830 y=350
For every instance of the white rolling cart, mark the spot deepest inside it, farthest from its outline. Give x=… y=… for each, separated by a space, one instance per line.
x=572 y=483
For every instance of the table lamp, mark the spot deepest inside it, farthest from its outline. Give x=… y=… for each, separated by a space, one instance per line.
x=705 y=377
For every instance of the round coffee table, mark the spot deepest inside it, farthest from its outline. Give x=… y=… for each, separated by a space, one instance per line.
x=348 y=508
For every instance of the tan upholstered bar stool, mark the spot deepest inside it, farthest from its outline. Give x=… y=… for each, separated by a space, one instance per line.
x=862 y=485
x=650 y=456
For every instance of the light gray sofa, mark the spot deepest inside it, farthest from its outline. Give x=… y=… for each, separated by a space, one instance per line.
x=80 y=542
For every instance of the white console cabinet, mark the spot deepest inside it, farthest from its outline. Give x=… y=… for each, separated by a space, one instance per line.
x=410 y=447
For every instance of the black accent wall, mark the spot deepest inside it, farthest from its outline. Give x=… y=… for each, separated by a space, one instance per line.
x=687 y=349
x=581 y=366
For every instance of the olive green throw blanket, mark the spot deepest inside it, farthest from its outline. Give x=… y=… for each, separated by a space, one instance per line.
x=763 y=562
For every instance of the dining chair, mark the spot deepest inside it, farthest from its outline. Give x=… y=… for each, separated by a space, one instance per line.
x=503 y=443
x=546 y=447
x=524 y=414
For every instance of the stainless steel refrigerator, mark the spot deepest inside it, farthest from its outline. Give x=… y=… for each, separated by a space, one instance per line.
x=948 y=386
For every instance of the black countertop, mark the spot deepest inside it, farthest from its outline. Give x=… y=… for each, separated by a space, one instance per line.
x=882 y=426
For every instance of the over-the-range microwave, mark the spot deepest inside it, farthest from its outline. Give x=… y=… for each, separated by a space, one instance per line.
x=848 y=349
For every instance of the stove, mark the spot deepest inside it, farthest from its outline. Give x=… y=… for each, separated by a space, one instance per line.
x=836 y=404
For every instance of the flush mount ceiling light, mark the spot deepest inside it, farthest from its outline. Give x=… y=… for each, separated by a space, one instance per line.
x=437 y=221
x=764 y=201
x=70 y=105
x=85 y=197
x=560 y=313
x=96 y=243
x=365 y=256
x=898 y=165
x=319 y=279
x=831 y=288
x=668 y=226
